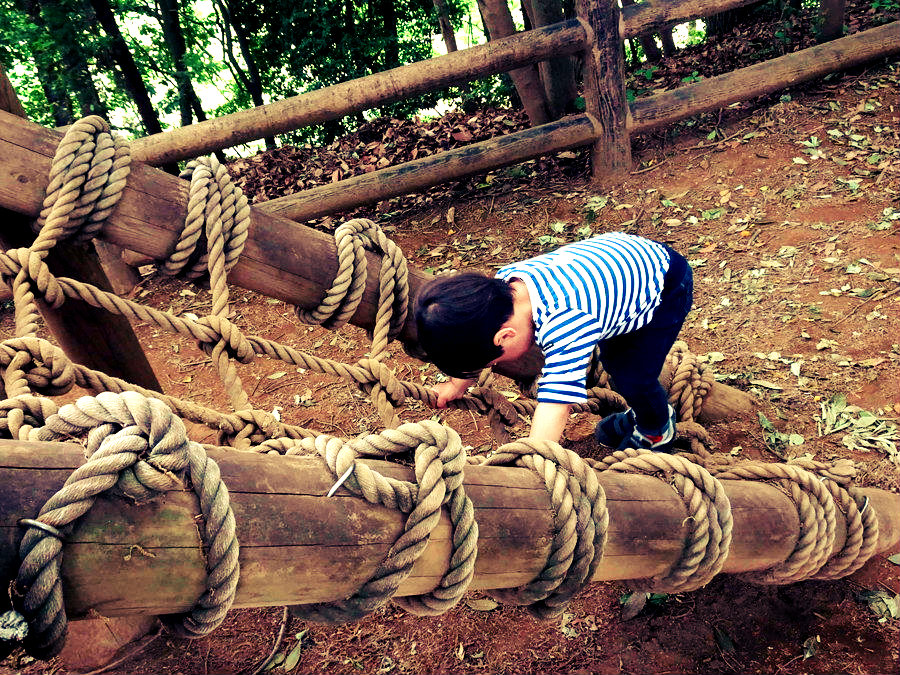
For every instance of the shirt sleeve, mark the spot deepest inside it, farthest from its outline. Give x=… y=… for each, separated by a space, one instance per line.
x=567 y=338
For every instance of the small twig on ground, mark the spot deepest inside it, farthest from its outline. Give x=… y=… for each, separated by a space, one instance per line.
x=649 y=168
x=867 y=300
x=285 y=622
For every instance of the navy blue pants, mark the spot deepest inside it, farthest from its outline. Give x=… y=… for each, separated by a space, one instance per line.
x=634 y=360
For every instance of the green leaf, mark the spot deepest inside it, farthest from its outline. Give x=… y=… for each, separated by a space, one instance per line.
x=895 y=559
x=882 y=604
x=811 y=647
x=723 y=639
x=292 y=659
x=481 y=604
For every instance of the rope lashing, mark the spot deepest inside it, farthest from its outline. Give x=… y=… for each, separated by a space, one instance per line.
x=87 y=177
x=815 y=508
x=709 y=520
x=580 y=523
x=137 y=446
x=439 y=463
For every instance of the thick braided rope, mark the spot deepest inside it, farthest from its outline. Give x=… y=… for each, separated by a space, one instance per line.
x=137 y=445
x=708 y=539
x=87 y=177
x=218 y=211
x=690 y=382
x=580 y=521
x=861 y=539
x=815 y=508
x=439 y=463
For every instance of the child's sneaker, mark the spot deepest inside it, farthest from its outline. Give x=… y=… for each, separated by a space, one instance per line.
x=657 y=440
x=612 y=430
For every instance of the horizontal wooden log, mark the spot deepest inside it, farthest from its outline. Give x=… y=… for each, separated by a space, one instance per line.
x=646 y=17
x=299 y=546
x=569 y=132
x=364 y=93
x=281 y=259
x=765 y=78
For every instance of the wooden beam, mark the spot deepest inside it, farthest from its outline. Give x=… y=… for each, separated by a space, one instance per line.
x=298 y=546
x=88 y=335
x=281 y=259
x=604 y=90
x=647 y=17
x=765 y=78
x=364 y=93
x=570 y=132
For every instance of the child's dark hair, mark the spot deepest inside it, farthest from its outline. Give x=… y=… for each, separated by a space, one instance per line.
x=457 y=317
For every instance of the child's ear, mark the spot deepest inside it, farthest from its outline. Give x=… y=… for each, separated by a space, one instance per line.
x=504 y=334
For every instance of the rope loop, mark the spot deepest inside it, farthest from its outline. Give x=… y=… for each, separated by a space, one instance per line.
x=217 y=223
x=136 y=445
x=580 y=523
x=709 y=520
x=690 y=381
x=439 y=463
x=815 y=508
x=341 y=301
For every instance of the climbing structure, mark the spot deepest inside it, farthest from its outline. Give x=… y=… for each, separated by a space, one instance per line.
x=137 y=447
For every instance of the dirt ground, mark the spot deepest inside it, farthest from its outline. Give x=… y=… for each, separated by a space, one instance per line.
x=788 y=211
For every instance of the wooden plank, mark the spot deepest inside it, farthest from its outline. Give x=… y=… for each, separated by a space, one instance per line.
x=764 y=78
x=364 y=93
x=299 y=546
x=647 y=17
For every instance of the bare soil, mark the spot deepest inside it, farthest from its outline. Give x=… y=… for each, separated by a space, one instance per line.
x=788 y=211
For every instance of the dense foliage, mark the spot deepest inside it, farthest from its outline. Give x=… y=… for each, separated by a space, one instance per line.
x=191 y=58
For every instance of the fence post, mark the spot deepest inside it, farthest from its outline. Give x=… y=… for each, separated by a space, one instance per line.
x=604 y=88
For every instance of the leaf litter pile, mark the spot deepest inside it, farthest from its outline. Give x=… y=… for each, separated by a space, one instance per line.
x=788 y=212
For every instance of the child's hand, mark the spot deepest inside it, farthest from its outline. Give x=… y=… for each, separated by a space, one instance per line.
x=451 y=390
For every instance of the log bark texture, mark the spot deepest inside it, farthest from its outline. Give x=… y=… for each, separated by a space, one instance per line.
x=765 y=78
x=298 y=546
x=281 y=259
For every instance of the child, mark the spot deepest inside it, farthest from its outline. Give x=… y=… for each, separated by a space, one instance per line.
x=627 y=293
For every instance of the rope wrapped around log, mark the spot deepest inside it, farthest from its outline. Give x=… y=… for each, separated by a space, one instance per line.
x=137 y=446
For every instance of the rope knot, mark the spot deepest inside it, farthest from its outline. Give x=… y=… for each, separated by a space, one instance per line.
x=383 y=375
x=226 y=333
x=20 y=415
x=125 y=433
x=439 y=462
x=253 y=426
x=35 y=365
x=33 y=269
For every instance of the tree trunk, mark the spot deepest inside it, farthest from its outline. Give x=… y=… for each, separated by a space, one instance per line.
x=49 y=68
x=558 y=74
x=249 y=78
x=388 y=13
x=127 y=66
x=446 y=29
x=832 y=12
x=174 y=37
x=496 y=16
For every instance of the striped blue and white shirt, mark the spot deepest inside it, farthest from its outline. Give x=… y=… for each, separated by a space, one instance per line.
x=585 y=292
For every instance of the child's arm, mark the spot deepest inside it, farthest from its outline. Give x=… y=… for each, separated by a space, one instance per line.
x=451 y=390
x=549 y=421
